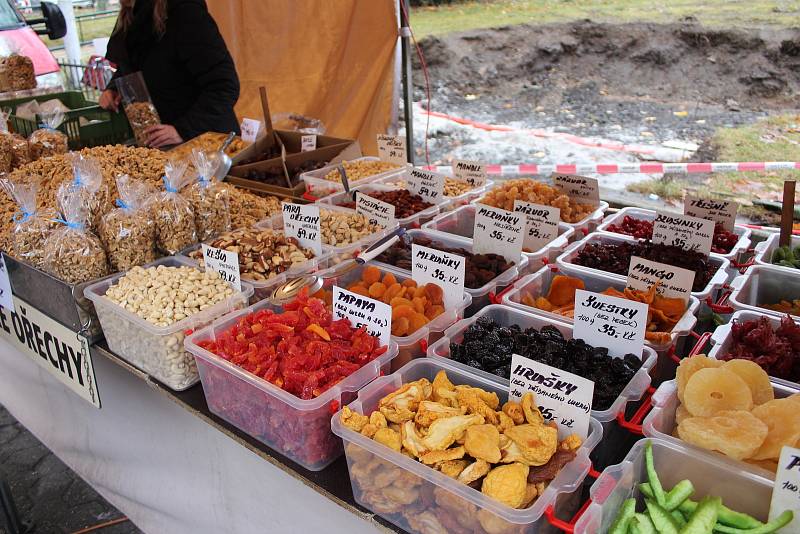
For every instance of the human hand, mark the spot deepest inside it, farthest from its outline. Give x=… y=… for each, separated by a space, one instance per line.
x=160 y=135
x=109 y=99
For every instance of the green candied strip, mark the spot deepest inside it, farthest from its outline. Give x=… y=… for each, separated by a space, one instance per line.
x=643 y=524
x=623 y=520
x=678 y=517
x=726 y=516
x=682 y=491
x=778 y=523
x=662 y=520
x=704 y=517
x=652 y=476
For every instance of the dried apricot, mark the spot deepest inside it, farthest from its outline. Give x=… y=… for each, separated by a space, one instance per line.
x=712 y=390
x=735 y=433
x=392 y=291
x=370 y=275
x=377 y=290
x=400 y=301
x=400 y=326
x=417 y=321
x=689 y=366
x=360 y=290
x=409 y=282
x=434 y=312
x=434 y=293
x=419 y=304
x=755 y=377
x=403 y=311
x=389 y=279
x=783 y=421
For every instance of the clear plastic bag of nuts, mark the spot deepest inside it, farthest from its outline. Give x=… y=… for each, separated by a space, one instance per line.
x=20 y=152
x=47 y=140
x=128 y=231
x=137 y=104
x=6 y=142
x=209 y=198
x=172 y=212
x=72 y=252
x=87 y=182
x=31 y=225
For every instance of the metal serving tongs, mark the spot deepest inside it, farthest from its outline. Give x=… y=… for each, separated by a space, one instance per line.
x=225 y=162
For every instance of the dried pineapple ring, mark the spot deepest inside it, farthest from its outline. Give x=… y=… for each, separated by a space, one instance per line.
x=681 y=413
x=690 y=366
x=783 y=421
x=711 y=390
x=735 y=433
x=755 y=377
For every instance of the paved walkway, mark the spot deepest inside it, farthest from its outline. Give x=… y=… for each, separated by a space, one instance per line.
x=49 y=495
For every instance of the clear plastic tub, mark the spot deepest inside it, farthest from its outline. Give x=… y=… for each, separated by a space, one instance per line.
x=660 y=423
x=764 y=284
x=740 y=490
x=480 y=296
x=564 y=262
x=430 y=493
x=157 y=350
x=318 y=186
x=299 y=429
x=721 y=339
x=764 y=250
x=460 y=200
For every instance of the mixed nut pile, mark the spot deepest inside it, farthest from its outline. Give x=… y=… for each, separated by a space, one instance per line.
x=341 y=228
x=360 y=169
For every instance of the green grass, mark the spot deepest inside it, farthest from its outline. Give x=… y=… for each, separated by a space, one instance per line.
x=715 y=13
x=89 y=29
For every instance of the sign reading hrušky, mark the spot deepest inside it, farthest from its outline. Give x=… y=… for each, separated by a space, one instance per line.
x=471 y=172
x=581 y=189
x=224 y=262
x=56 y=348
x=719 y=211
x=392 y=149
x=250 y=128
x=308 y=143
x=688 y=233
x=429 y=185
x=377 y=211
x=374 y=315
x=446 y=270
x=786 y=491
x=614 y=323
x=302 y=222
x=498 y=231
x=541 y=224
x=673 y=282
x=562 y=397
x=6 y=295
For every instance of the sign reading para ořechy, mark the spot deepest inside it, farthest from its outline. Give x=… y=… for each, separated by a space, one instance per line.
x=392 y=149
x=377 y=211
x=688 y=233
x=429 y=185
x=673 y=282
x=719 y=211
x=614 y=323
x=471 y=172
x=581 y=189
x=302 y=222
x=57 y=349
x=446 y=270
x=498 y=231
x=541 y=224
x=373 y=314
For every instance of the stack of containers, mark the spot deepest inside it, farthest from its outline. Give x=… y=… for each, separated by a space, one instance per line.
x=454 y=201
x=764 y=284
x=317 y=186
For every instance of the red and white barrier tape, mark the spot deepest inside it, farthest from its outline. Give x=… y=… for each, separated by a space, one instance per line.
x=628 y=168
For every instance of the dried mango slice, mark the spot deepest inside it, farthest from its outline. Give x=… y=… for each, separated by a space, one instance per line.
x=755 y=377
x=713 y=390
x=543 y=304
x=735 y=433
x=562 y=290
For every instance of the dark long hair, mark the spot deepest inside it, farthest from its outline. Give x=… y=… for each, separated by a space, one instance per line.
x=126 y=16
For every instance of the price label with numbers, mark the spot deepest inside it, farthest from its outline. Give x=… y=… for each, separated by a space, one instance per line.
x=250 y=129
x=377 y=211
x=6 y=295
x=302 y=222
x=392 y=148
x=688 y=233
x=673 y=282
x=786 y=491
x=308 y=143
x=446 y=270
x=541 y=224
x=429 y=185
x=499 y=232
x=224 y=262
x=581 y=189
x=471 y=172
x=719 y=211
x=562 y=397
x=373 y=314
x=614 y=323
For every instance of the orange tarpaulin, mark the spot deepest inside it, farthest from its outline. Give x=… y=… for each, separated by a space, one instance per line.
x=331 y=60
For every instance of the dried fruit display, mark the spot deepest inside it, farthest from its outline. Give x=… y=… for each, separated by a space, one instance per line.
x=730 y=407
x=722 y=243
x=488 y=346
x=536 y=192
x=452 y=187
x=359 y=169
x=465 y=433
x=787 y=256
x=616 y=258
x=275 y=176
x=776 y=350
x=404 y=201
x=662 y=315
x=784 y=306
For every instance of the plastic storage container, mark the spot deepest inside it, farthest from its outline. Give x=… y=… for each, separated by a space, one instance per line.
x=455 y=202
x=157 y=350
x=764 y=250
x=426 y=493
x=660 y=423
x=318 y=186
x=742 y=491
x=564 y=262
x=299 y=429
x=763 y=284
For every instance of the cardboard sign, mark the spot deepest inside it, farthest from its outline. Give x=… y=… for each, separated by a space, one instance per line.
x=581 y=189
x=786 y=491
x=250 y=129
x=57 y=349
x=392 y=148
x=302 y=221
x=563 y=397
x=429 y=185
x=612 y=322
x=373 y=314
x=377 y=211
x=673 y=282
x=471 y=172
x=719 y=211
x=6 y=294
x=308 y=143
x=446 y=270
x=499 y=232
x=541 y=224
x=224 y=262
x=688 y=233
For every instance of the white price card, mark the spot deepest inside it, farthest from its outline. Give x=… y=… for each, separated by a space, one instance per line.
x=673 y=282
x=392 y=149
x=250 y=129
x=581 y=189
x=688 y=233
x=786 y=492
x=308 y=143
x=377 y=211
x=498 y=232
x=427 y=184
x=614 y=323
x=562 y=397
x=446 y=270
x=6 y=295
x=471 y=172
x=373 y=314
x=719 y=211
x=224 y=262
x=302 y=222
x=541 y=224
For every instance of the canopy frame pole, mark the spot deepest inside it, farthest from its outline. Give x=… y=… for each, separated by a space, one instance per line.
x=408 y=89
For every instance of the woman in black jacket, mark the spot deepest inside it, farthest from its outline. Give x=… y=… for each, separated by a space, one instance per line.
x=187 y=67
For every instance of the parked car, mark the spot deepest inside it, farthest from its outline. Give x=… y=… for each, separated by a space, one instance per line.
x=19 y=34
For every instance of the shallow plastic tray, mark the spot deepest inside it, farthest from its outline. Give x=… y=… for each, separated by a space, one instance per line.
x=454 y=202
x=564 y=262
x=764 y=250
x=297 y=428
x=742 y=491
x=764 y=284
x=368 y=461
x=318 y=186
x=157 y=350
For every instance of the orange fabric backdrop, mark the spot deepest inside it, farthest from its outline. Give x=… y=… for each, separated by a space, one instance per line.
x=329 y=59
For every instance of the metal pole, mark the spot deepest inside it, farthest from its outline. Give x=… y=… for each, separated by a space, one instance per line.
x=72 y=42
x=408 y=90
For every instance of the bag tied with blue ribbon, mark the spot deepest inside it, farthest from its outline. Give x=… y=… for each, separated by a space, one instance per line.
x=31 y=225
x=128 y=231
x=48 y=140
x=174 y=216
x=210 y=199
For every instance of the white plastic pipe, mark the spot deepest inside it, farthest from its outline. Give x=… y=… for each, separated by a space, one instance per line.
x=72 y=42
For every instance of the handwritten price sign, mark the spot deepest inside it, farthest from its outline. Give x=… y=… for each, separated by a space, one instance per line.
x=363 y=311
x=612 y=322
x=302 y=222
x=224 y=262
x=392 y=149
x=441 y=268
x=688 y=233
x=499 y=232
